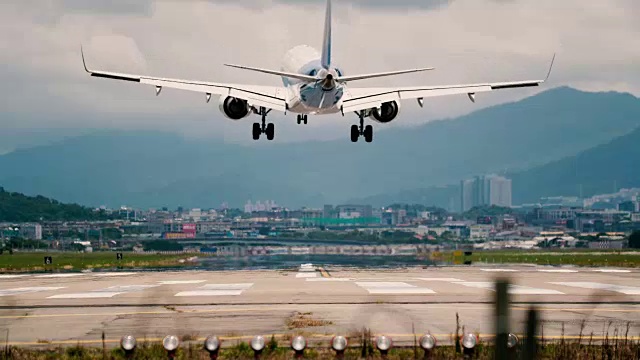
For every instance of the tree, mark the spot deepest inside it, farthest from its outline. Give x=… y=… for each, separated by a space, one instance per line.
x=634 y=240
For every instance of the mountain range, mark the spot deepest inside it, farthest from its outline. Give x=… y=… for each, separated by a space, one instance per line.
x=547 y=143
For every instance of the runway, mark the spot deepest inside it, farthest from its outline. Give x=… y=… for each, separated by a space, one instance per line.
x=71 y=308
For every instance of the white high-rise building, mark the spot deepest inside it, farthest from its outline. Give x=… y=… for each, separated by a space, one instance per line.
x=466 y=194
x=485 y=191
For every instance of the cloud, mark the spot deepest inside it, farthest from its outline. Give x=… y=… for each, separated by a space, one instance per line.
x=43 y=85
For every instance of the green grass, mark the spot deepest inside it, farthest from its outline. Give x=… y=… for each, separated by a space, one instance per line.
x=34 y=261
x=568 y=257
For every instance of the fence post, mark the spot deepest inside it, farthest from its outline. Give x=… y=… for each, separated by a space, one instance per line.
x=531 y=340
x=501 y=319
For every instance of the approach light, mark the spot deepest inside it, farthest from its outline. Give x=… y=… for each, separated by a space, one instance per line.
x=298 y=343
x=427 y=342
x=512 y=341
x=128 y=343
x=469 y=341
x=257 y=343
x=383 y=343
x=170 y=342
x=339 y=343
x=212 y=344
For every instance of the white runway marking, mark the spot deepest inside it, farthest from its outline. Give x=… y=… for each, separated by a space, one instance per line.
x=393 y=288
x=11 y=276
x=218 y=290
x=327 y=279
x=627 y=290
x=114 y=274
x=58 y=275
x=127 y=288
x=25 y=290
x=103 y=293
x=612 y=270
x=558 y=270
x=178 y=282
x=306 y=275
x=440 y=279
x=513 y=289
x=87 y=295
x=499 y=270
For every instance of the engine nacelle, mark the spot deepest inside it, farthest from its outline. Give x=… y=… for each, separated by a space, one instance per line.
x=234 y=108
x=387 y=112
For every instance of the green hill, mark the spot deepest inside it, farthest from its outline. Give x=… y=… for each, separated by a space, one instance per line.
x=16 y=207
x=594 y=171
x=152 y=169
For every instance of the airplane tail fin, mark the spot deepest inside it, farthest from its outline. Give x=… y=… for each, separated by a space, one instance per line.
x=326 y=42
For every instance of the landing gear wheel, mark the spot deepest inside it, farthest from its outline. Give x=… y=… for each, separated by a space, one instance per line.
x=256 y=131
x=368 y=133
x=270 y=131
x=355 y=133
x=302 y=119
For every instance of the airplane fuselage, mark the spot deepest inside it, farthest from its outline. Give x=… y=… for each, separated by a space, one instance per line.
x=320 y=97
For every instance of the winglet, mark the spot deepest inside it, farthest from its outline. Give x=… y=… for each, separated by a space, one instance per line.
x=83 y=61
x=550 y=67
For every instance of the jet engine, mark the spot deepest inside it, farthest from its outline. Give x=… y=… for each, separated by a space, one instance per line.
x=387 y=112
x=234 y=108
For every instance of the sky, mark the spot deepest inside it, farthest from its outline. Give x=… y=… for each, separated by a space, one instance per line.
x=45 y=95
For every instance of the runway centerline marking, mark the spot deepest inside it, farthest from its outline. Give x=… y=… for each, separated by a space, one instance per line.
x=390 y=288
x=217 y=290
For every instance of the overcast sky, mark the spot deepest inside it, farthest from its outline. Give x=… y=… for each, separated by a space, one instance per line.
x=43 y=85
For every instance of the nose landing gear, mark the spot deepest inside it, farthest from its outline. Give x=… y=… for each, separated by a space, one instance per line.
x=302 y=119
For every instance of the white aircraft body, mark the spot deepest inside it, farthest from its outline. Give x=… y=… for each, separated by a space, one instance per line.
x=313 y=85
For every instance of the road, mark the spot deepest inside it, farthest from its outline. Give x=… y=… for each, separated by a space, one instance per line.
x=71 y=308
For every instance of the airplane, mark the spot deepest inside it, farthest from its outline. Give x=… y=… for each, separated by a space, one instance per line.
x=313 y=85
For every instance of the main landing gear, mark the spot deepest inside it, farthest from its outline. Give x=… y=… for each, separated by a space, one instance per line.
x=302 y=119
x=268 y=129
x=357 y=131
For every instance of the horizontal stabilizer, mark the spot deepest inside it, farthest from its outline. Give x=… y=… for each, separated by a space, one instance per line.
x=275 y=72
x=376 y=75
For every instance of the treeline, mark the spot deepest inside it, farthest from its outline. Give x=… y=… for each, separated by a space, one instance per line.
x=17 y=207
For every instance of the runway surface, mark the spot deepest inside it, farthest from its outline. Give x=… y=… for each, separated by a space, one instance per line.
x=70 y=308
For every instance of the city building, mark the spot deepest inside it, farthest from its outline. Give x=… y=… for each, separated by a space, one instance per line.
x=485 y=190
x=31 y=231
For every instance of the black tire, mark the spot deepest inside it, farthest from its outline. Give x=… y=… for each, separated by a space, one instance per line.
x=270 y=131
x=256 y=131
x=355 y=133
x=299 y=119
x=368 y=133
x=304 y=119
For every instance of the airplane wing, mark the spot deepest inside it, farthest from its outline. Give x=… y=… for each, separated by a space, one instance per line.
x=357 y=99
x=270 y=97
